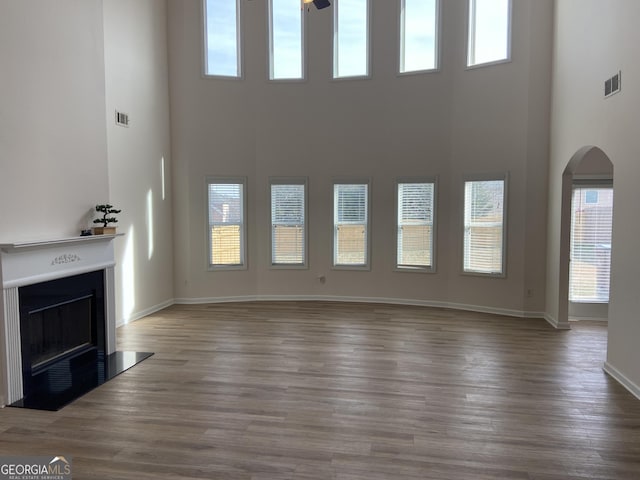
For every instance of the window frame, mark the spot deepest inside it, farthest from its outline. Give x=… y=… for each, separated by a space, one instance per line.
x=351 y=181
x=231 y=180
x=304 y=181
x=434 y=222
x=401 y=41
x=205 y=45
x=270 y=51
x=586 y=182
x=335 y=55
x=504 y=177
x=471 y=38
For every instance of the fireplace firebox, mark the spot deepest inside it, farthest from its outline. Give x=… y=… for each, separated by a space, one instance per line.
x=60 y=320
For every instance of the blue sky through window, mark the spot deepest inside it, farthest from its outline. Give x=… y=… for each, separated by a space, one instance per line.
x=222 y=38
x=419 y=30
x=351 y=38
x=286 y=39
x=489 y=35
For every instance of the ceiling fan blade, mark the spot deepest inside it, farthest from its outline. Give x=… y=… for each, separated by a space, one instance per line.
x=320 y=4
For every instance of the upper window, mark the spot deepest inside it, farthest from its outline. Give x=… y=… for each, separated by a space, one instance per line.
x=222 y=37
x=484 y=232
x=288 y=222
x=418 y=35
x=350 y=38
x=286 y=22
x=591 y=221
x=226 y=206
x=351 y=224
x=489 y=31
x=415 y=228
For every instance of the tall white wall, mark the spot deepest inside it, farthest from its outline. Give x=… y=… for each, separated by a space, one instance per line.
x=66 y=66
x=450 y=123
x=53 y=155
x=139 y=157
x=591 y=44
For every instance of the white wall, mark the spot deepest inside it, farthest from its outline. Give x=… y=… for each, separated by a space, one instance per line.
x=449 y=123
x=592 y=44
x=60 y=151
x=139 y=156
x=53 y=155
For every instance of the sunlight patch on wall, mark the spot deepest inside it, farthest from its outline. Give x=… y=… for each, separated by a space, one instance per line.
x=128 y=293
x=150 y=224
x=163 y=167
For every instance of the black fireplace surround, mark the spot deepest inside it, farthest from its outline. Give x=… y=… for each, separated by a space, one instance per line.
x=62 y=331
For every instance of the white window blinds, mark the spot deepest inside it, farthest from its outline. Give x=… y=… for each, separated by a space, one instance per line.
x=415 y=225
x=288 y=224
x=484 y=227
x=591 y=221
x=351 y=217
x=226 y=224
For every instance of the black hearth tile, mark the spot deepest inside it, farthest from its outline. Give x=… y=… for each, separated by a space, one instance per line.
x=68 y=380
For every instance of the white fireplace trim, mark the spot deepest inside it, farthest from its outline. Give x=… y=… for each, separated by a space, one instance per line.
x=27 y=263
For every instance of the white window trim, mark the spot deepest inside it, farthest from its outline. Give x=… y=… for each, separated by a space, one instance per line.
x=291 y=181
x=438 y=40
x=505 y=216
x=586 y=182
x=471 y=39
x=270 y=49
x=351 y=181
x=244 y=235
x=434 y=227
x=204 y=44
x=335 y=46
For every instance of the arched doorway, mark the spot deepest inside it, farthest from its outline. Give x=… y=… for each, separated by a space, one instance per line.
x=587 y=163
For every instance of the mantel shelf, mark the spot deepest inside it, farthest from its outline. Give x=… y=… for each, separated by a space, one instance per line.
x=34 y=245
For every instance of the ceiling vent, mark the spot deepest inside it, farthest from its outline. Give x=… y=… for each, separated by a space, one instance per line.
x=613 y=85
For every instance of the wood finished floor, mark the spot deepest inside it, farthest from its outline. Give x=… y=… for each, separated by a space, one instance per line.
x=291 y=391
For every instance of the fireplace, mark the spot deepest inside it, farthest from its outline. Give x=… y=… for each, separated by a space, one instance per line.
x=57 y=321
x=60 y=319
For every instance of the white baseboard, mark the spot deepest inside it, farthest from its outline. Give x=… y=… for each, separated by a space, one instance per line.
x=555 y=323
x=588 y=319
x=143 y=313
x=380 y=300
x=622 y=379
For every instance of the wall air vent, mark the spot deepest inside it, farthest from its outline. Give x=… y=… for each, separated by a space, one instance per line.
x=122 y=119
x=613 y=85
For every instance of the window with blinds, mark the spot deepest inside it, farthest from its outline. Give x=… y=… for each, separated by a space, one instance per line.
x=415 y=228
x=484 y=227
x=226 y=200
x=288 y=223
x=351 y=224
x=286 y=22
x=222 y=37
x=418 y=35
x=591 y=222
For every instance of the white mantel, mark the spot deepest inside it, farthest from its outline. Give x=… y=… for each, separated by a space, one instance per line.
x=27 y=263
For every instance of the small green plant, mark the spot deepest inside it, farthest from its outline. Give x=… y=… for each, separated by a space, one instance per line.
x=106 y=210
